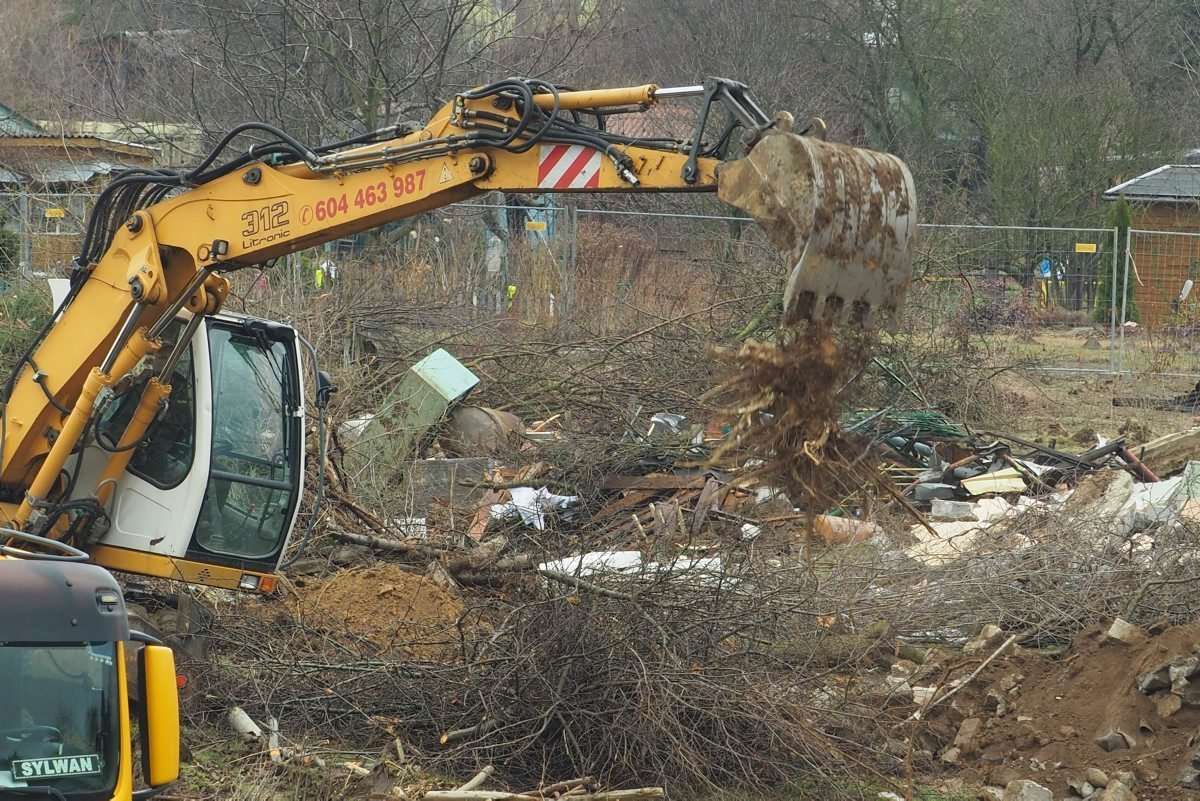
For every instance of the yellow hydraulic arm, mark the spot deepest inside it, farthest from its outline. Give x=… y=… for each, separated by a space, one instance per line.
x=159 y=241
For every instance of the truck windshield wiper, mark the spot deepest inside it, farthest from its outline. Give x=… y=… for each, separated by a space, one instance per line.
x=52 y=792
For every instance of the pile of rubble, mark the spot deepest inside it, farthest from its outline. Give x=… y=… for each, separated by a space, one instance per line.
x=1115 y=716
x=1111 y=717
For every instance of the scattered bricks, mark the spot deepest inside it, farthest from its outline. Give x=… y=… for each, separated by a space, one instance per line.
x=1125 y=632
x=1096 y=777
x=1026 y=790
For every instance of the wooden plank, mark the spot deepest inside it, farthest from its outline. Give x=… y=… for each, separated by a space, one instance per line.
x=629 y=500
x=704 y=504
x=1170 y=453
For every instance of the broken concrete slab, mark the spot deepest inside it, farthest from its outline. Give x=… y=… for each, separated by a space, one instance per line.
x=1026 y=790
x=956 y=511
x=1116 y=791
x=1167 y=704
x=1081 y=787
x=947 y=543
x=968 y=735
x=1124 y=631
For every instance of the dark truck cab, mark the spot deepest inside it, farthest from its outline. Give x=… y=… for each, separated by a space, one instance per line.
x=66 y=721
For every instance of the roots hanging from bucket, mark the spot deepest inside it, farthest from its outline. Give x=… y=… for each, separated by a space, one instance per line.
x=784 y=399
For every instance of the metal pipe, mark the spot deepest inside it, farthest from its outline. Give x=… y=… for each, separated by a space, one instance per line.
x=181 y=344
x=1112 y=328
x=123 y=335
x=1125 y=292
x=168 y=316
x=668 y=92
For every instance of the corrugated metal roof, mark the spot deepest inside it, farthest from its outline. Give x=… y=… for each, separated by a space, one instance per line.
x=59 y=172
x=13 y=124
x=1170 y=183
x=72 y=172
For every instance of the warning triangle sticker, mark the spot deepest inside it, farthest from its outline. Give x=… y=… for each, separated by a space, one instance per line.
x=446 y=177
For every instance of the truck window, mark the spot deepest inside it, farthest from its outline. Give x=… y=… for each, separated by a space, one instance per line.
x=58 y=716
x=251 y=488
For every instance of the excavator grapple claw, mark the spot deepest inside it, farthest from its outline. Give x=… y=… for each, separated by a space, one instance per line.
x=843 y=217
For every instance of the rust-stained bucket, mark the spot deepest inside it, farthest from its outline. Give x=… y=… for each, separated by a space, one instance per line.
x=844 y=217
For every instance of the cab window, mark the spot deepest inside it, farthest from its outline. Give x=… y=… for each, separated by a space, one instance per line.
x=251 y=489
x=165 y=456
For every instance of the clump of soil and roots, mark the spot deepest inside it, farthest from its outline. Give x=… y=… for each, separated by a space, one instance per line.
x=785 y=399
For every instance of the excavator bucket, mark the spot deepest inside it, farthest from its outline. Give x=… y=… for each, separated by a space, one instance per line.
x=843 y=217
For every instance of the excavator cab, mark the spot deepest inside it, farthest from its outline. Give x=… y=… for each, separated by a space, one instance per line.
x=212 y=491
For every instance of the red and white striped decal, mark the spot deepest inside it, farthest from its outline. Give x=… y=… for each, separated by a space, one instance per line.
x=568 y=167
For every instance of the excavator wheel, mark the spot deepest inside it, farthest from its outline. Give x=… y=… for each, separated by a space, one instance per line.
x=843 y=217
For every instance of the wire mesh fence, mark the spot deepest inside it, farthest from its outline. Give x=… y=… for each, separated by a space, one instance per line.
x=1058 y=298
x=43 y=229
x=1160 y=307
x=1047 y=293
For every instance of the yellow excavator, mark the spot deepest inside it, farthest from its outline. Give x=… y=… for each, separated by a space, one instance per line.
x=149 y=431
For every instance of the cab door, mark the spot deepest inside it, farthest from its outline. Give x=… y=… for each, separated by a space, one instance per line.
x=257 y=448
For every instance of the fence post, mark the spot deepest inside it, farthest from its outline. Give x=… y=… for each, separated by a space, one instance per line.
x=26 y=258
x=1125 y=293
x=1113 y=364
x=568 y=300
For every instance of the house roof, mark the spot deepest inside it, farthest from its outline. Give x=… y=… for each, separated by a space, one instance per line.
x=45 y=140
x=1170 y=183
x=58 y=171
x=13 y=124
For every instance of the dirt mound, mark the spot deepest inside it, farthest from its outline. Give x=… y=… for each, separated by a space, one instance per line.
x=1107 y=704
x=395 y=609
